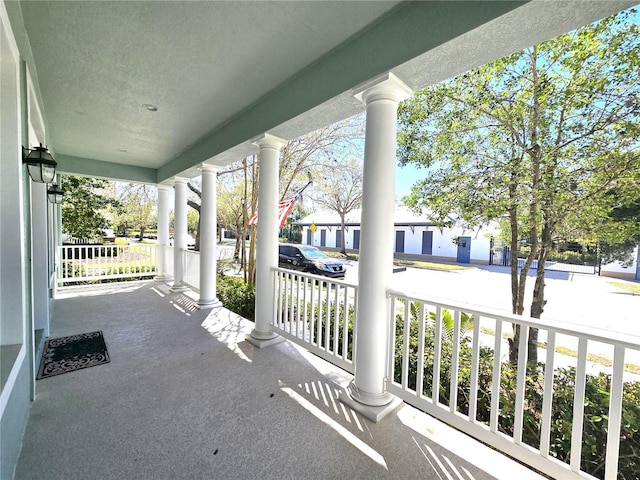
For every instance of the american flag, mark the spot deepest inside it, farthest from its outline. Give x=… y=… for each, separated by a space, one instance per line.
x=284 y=207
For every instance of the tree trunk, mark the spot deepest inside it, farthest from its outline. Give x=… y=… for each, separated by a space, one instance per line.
x=197 y=246
x=251 y=277
x=243 y=230
x=343 y=249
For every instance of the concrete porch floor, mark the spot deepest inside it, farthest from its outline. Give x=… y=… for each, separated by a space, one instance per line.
x=185 y=397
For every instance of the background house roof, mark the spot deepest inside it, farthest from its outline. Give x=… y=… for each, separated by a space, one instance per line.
x=403 y=216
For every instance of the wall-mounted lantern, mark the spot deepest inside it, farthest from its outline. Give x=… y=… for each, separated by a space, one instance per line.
x=55 y=194
x=40 y=163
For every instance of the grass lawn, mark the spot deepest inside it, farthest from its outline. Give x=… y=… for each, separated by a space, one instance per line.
x=430 y=265
x=406 y=263
x=607 y=362
x=628 y=286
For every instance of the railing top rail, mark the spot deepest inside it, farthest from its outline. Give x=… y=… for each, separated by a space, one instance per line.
x=595 y=334
x=315 y=277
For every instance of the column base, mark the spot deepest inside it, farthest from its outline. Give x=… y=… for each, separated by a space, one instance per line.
x=372 y=406
x=209 y=304
x=179 y=287
x=162 y=278
x=262 y=340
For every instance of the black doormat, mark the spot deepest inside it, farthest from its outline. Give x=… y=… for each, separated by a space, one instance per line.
x=66 y=354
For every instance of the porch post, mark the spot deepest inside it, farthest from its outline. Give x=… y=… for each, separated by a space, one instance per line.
x=163 y=233
x=208 y=237
x=267 y=249
x=367 y=392
x=179 y=233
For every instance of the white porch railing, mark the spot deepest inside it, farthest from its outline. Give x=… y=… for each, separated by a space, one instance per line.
x=191 y=269
x=512 y=408
x=167 y=251
x=450 y=347
x=85 y=263
x=317 y=313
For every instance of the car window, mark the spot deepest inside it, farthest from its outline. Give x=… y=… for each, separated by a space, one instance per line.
x=288 y=251
x=314 y=253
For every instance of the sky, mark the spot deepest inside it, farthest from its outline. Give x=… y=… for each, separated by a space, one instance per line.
x=405 y=178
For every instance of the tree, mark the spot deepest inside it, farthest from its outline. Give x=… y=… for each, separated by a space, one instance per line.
x=137 y=207
x=84 y=207
x=298 y=159
x=620 y=232
x=529 y=138
x=193 y=216
x=339 y=189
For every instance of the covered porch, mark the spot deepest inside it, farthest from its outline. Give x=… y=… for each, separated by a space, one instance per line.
x=186 y=396
x=161 y=92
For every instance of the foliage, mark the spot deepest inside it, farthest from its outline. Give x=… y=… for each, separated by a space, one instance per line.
x=237 y=296
x=136 y=210
x=596 y=398
x=84 y=207
x=466 y=321
x=324 y=334
x=538 y=138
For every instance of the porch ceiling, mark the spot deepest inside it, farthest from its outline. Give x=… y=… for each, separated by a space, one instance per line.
x=221 y=73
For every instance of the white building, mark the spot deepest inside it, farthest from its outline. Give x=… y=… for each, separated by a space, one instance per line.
x=617 y=270
x=414 y=236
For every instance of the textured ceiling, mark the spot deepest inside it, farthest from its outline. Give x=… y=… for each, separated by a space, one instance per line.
x=222 y=72
x=198 y=62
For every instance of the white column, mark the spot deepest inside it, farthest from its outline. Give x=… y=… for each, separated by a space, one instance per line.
x=375 y=266
x=208 y=237
x=163 y=232
x=179 y=233
x=267 y=248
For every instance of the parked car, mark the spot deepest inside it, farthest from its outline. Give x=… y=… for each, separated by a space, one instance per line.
x=310 y=259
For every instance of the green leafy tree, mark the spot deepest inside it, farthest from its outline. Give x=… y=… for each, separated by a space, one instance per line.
x=534 y=138
x=620 y=232
x=84 y=207
x=137 y=207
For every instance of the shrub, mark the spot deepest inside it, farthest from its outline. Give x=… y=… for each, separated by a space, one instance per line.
x=237 y=296
x=596 y=399
x=315 y=317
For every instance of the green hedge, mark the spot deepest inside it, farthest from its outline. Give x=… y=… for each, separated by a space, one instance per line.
x=237 y=296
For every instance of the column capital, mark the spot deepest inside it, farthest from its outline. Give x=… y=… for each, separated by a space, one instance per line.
x=266 y=140
x=166 y=188
x=208 y=168
x=183 y=180
x=383 y=87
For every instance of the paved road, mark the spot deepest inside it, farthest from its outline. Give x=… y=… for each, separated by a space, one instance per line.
x=572 y=298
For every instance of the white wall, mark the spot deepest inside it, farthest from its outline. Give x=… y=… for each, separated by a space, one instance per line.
x=616 y=270
x=442 y=246
x=12 y=260
x=16 y=349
